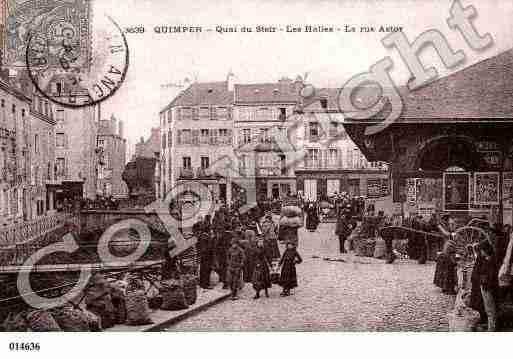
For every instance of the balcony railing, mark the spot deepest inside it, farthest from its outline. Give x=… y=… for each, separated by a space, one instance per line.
x=186 y=173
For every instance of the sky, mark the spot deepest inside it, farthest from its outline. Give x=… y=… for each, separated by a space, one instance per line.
x=158 y=62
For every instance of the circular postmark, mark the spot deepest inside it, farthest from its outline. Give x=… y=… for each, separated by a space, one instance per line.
x=76 y=70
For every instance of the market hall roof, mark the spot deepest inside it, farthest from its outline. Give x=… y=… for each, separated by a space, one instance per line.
x=203 y=93
x=478 y=92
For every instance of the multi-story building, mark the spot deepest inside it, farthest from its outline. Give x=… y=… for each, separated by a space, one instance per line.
x=142 y=173
x=332 y=163
x=197 y=135
x=15 y=204
x=262 y=114
x=112 y=147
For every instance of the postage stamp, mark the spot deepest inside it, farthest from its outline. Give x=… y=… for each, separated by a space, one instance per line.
x=71 y=60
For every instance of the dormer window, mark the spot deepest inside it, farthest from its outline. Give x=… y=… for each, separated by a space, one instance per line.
x=210 y=90
x=324 y=103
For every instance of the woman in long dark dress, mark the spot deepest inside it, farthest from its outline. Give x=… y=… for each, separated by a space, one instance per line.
x=312 y=218
x=249 y=244
x=261 y=271
x=445 y=272
x=288 y=277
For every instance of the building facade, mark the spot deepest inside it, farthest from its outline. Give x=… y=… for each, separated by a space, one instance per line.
x=332 y=163
x=112 y=147
x=142 y=173
x=262 y=116
x=197 y=139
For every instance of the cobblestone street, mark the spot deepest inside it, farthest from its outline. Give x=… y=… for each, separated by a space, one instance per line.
x=359 y=294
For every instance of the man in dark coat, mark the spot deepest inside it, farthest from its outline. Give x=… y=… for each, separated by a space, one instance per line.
x=236 y=259
x=342 y=230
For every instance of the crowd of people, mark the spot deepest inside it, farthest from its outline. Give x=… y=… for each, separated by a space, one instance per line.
x=243 y=248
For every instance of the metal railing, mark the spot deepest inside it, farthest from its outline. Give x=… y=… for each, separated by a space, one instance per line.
x=29 y=230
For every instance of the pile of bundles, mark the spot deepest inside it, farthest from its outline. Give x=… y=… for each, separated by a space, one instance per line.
x=291 y=219
x=66 y=318
x=291 y=216
x=179 y=293
x=364 y=247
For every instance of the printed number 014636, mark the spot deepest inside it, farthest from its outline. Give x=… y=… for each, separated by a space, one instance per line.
x=28 y=347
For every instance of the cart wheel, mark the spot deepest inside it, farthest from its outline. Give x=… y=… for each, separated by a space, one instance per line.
x=465 y=238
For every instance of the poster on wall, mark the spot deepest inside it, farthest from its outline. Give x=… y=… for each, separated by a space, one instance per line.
x=486 y=188
x=411 y=190
x=456 y=191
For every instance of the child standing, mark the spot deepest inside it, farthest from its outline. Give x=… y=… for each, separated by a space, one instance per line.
x=288 y=277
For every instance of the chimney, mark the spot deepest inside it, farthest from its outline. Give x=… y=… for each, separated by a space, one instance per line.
x=230 y=79
x=120 y=128
x=298 y=84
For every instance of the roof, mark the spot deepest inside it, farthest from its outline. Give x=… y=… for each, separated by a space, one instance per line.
x=313 y=102
x=481 y=91
x=203 y=93
x=279 y=92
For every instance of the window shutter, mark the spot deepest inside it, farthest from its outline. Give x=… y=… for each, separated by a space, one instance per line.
x=179 y=137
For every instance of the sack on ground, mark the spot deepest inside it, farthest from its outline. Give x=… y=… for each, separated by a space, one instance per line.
x=291 y=221
x=380 y=248
x=93 y=320
x=104 y=309
x=463 y=320
x=214 y=278
x=190 y=288
x=137 y=310
x=291 y=211
x=42 y=321
x=71 y=320
x=173 y=296
x=15 y=322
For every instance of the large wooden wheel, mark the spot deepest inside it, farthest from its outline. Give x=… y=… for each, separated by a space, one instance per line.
x=466 y=238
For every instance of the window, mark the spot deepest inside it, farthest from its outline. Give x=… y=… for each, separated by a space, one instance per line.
x=221 y=113
x=60 y=115
x=264 y=135
x=169 y=116
x=333 y=129
x=312 y=157
x=333 y=157
x=205 y=162
x=263 y=114
x=324 y=103
x=186 y=161
x=13 y=108
x=246 y=135
x=164 y=141
x=58 y=86
x=2 y=103
x=186 y=137
x=36 y=143
x=60 y=167
x=204 y=133
x=60 y=140
x=283 y=113
x=223 y=132
x=100 y=143
x=204 y=112
x=169 y=138
x=314 y=130
x=186 y=113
